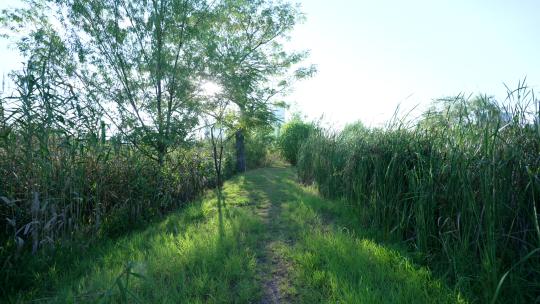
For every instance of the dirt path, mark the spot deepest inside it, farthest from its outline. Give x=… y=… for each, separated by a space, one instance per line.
x=273 y=267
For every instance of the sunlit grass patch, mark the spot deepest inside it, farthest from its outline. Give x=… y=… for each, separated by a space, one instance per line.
x=332 y=266
x=333 y=260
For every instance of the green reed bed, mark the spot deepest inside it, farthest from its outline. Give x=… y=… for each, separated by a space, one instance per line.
x=64 y=181
x=460 y=185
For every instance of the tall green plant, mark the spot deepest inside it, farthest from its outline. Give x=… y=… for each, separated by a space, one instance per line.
x=292 y=135
x=461 y=187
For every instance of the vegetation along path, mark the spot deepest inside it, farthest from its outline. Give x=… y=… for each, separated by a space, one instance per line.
x=265 y=239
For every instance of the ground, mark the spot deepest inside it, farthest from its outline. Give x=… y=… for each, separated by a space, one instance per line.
x=264 y=239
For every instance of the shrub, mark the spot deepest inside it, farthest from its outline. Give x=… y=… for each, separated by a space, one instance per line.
x=258 y=145
x=293 y=134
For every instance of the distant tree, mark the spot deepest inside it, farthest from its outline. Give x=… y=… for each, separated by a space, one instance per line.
x=353 y=130
x=479 y=111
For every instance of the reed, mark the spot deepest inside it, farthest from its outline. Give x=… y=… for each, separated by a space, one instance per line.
x=461 y=185
x=65 y=181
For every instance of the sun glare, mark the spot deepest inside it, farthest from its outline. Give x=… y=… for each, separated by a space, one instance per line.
x=210 y=88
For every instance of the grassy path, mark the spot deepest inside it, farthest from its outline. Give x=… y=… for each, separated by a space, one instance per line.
x=265 y=239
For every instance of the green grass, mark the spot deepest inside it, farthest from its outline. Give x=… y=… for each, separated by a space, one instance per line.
x=460 y=186
x=331 y=259
x=266 y=229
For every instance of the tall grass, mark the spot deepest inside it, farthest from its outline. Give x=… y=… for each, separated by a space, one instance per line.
x=461 y=185
x=64 y=179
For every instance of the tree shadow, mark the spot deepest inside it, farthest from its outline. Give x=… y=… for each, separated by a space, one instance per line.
x=220 y=205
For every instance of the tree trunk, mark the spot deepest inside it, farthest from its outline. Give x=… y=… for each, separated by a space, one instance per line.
x=161 y=153
x=240 y=152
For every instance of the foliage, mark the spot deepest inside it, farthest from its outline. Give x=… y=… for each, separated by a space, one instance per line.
x=139 y=58
x=76 y=191
x=461 y=188
x=248 y=60
x=292 y=135
x=353 y=130
x=260 y=143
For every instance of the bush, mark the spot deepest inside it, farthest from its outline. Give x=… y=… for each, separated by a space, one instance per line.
x=258 y=145
x=293 y=134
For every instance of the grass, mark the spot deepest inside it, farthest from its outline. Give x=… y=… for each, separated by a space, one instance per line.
x=459 y=186
x=333 y=260
x=264 y=237
x=201 y=254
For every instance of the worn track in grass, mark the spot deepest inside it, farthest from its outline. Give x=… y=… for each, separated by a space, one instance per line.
x=273 y=268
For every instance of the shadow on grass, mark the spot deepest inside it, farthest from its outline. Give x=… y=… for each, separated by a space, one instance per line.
x=204 y=253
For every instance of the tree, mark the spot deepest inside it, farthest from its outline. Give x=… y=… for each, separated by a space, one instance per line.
x=216 y=120
x=138 y=62
x=480 y=111
x=246 y=57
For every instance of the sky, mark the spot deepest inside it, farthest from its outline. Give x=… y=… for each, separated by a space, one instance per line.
x=375 y=55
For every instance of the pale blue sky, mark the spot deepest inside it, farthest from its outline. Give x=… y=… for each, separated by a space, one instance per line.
x=373 y=55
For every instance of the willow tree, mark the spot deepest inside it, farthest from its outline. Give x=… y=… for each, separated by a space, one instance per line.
x=248 y=60
x=137 y=60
